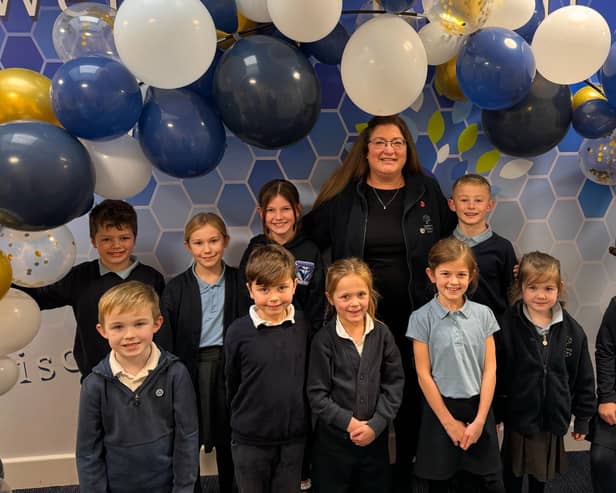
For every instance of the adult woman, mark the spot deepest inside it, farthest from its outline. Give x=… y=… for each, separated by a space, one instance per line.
x=380 y=206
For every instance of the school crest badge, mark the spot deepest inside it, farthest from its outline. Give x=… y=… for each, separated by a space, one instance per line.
x=304 y=271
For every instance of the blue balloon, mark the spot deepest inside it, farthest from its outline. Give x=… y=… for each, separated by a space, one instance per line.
x=47 y=176
x=329 y=49
x=267 y=92
x=396 y=6
x=224 y=14
x=495 y=68
x=204 y=85
x=607 y=75
x=96 y=98
x=527 y=31
x=594 y=119
x=180 y=133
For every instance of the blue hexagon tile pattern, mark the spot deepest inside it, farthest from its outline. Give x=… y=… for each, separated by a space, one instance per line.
x=542 y=203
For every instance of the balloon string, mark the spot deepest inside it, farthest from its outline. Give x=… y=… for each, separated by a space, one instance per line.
x=595 y=87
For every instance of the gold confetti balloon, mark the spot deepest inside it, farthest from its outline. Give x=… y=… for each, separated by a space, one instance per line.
x=6 y=274
x=598 y=159
x=38 y=258
x=458 y=17
x=24 y=95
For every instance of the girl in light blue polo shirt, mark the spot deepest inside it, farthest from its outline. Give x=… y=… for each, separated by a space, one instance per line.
x=455 y=359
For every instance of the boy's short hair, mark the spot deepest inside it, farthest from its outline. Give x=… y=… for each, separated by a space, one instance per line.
x=269 y=265
x=126 y=296
x=116 y=213
x=471 y=179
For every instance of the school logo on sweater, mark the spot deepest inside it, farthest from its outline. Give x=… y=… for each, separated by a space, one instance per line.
x=304 y=271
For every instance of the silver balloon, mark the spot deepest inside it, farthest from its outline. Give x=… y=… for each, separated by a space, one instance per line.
x=38 y=258
x=84 y=29
x=598 y=159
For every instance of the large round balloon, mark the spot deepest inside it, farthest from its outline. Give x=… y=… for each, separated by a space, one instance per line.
x=6 y=273
x=329 y=49
x=458 y=16
x=9 y=374
x=271 y=101
x=510 y=14
x=446 y=82
x=439 y=44
x=594 y=119
x=21 y=319
x=84 y=29
x=305 y=21
x=38 y=258
x=255 y=10
x=47 y=176
x=24 y=95
x=598 y=160
x=180 y=133
x=96 y=98
x=534 y=125
x=385 y=46
x=571 y=44
x=165 y=43
x=607 y=76
x=495 y=68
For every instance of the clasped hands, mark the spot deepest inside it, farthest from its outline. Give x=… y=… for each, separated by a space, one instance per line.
x=464 y=435
x=360 y=433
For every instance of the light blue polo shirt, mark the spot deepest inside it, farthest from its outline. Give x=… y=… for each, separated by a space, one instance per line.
x=456 y=341
x=212 y=309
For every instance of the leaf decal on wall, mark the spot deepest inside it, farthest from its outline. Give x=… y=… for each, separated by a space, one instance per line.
x=436 y=127
x=442 y=154
x=515 y=169
x=487 y=161
x=461 y=111
x=359 y=127
x=467 y=138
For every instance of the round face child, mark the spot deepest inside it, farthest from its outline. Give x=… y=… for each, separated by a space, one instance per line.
x=452 y=280
x=471 y=202
x=115 y=246
x=540 y=296
x=279 y=219
x=351 y=299
x=207 y=246
x=272 y=301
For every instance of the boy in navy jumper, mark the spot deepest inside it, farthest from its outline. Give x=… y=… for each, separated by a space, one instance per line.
x=471 y=200
x=265 y=365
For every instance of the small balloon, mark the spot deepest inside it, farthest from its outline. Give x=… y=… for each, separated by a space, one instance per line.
x=510 y=14
x=204 y=86
x=224 y=14
x=21 y=319
x=38 y=258
x=598 y=160
x=446 y=82
x=84 y=29
x=329 y=49
x=458 y=17
x=586 y=93
x=527 y=31
x=9 y=374
x=24 y=95
x=6 y=273
x=594 y=119
x=255 y=10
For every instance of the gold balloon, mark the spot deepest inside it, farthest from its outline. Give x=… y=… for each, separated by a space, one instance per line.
x=446 y=82
x=6 y=274
x=24 y=95
x=458 y=17
x=586 y=93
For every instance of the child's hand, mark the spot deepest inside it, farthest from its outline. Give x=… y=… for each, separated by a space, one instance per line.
x=455 y=430
x=471 y=434
x=354 y=424
x=363 y=435
x=578 y=436
x=607 y=411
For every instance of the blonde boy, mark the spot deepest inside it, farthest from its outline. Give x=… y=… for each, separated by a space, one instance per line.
x=138 y=428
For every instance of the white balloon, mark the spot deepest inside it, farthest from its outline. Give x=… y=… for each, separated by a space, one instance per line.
x=571 y=44
x=305 y=21
x=440 y=45
x=384 y=66
x=21 y=319
x=510 y=14
x=255 y=10
x=122 y=170
x=165 y=43
x=9 y=373
x=38 y=258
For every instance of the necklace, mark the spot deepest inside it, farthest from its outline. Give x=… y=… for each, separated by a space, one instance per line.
x=385 y=204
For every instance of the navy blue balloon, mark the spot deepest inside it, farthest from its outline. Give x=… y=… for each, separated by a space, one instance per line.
x=594 y=119
x=329 y=49
x=96 y=98
x=396 y=6
x=204 y=85
x=607 y=76
x=47 y=176
x=267 y=92
x=527 y=31
x=180 y=133
x=495 y=68
x=534 y=125
x=224 y=14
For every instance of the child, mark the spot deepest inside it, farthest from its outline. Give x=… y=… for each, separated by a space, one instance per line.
x=545 y=375
x=138 y=429
x=456 y=366
x=280 y=210
x=198 y=306
x=113 y=231
x=355 y=386
x=471 y=200
x=265 y=366
x=603 y=449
